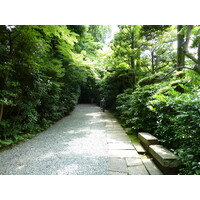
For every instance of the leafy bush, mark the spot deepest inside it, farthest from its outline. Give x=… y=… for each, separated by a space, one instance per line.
x=178 y=125
x=133 y=110
x=123 y=103
x=172 y=116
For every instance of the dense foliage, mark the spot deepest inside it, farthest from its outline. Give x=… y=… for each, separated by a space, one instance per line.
x=152 y=87
x=42 y=72
x=149 y=76
x=167 y=112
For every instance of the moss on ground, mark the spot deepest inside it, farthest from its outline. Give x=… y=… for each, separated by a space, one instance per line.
x=134 y=138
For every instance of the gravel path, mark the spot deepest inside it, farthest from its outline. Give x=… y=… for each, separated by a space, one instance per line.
x=75 y=145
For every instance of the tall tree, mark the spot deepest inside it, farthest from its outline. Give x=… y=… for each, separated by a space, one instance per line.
x=180 y=47
x=158 y=51
x=196 y=44
x=126 y=47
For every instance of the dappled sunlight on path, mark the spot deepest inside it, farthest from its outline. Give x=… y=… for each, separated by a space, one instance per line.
x=74 y=145
x=87 y=142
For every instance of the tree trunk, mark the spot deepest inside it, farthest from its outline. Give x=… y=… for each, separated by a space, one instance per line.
x=152 y=63
x=199 y=54
x=180 y=48
x=1 y=112
x=133 y=57
x=196 y=68
x=132 y=47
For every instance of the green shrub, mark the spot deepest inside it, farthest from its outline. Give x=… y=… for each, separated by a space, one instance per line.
x=178 y=125
x=133 y=110
x=169 y=114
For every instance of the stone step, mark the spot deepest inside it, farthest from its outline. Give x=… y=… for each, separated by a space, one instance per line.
x=151 y=167
x=165 y=159
x=147 y=139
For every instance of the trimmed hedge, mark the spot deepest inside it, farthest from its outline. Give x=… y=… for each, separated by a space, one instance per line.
x=172 y=116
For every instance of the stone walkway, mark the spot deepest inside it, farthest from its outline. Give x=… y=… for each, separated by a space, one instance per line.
x=124 y=156
x=87 y=142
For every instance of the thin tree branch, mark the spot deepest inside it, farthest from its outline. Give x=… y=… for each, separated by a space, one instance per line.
x=175 y=68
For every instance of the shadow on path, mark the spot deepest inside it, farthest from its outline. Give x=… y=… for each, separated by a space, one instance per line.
x=74 y=145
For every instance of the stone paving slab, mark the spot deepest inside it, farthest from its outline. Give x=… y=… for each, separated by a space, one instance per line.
x=123 y=153
x=120 y=145
x=114 y=128
x=113 y=125
x=124 y=158
x=112 y=140
x=139 y=148
x=133 y=161
x=115 y=132
x=116 y=173
x=151 y=167
x=117 y=136
x=117 y=165
x=138 y=170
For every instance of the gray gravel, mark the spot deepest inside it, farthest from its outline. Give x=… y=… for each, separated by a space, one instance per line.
x=75 y=145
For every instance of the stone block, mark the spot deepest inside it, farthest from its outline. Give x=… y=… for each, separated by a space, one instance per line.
x=164 y=156
x=166 y=160
x=147 y=139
